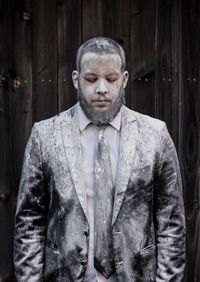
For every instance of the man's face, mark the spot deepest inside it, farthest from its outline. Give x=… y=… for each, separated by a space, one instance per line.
x=100 y=84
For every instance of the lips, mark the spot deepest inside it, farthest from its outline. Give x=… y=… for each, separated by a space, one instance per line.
x=101 y=103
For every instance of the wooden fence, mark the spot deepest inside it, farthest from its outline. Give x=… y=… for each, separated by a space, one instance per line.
x=39 y=39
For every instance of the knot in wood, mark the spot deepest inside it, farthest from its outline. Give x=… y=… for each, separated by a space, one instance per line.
x=16 y=83
x=3 y=80
x=26 y=15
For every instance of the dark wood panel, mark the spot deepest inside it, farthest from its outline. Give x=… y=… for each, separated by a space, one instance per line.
x=142 y=56
x=44 y=57
x=20 y=99
x=189 y=145
x=69 y=39
x=6 y=25
x=20 y=89
x=6 y=201
x=167 y=50
x=93 y=18
x=15 y=119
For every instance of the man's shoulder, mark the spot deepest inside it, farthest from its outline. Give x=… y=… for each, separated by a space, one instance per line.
x=145 y=121
x=55 y=121
x=150 y=131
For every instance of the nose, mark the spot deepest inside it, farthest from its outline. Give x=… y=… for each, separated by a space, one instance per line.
x=101 y=87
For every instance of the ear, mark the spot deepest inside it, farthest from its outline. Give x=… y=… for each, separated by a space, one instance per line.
x=75 y=78
x=125 y=78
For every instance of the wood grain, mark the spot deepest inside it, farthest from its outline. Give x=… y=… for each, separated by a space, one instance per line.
x=44 y=58
x=6 y=192
x=143 y=56
x=69 y=39
x=15 y=119
x=167 y=50
x=189 y=145
x=93 y=18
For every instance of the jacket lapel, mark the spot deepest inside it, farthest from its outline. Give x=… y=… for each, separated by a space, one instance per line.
x=127 y=161
x=72 y=145
x=129 y=132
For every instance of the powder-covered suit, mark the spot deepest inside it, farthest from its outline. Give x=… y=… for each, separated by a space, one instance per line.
x=148 y=226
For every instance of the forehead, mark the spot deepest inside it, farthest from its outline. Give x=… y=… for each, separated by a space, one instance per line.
x=94 y=62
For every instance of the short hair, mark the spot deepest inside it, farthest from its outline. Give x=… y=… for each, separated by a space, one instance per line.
x=100 y=45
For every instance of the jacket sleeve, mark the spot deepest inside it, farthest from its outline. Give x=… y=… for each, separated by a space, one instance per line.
x=31 y=213
x=169 y=214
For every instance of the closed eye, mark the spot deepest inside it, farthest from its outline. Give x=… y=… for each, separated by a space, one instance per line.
x=90 y=78
x=111 y=79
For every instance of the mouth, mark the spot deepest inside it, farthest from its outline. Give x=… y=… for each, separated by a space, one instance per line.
x=101 y=103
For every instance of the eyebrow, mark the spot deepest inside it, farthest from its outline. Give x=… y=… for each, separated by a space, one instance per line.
x=89 y=73
x=113 y=73
x=110 y=74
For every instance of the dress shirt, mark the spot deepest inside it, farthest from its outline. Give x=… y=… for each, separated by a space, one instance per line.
x=88 y=134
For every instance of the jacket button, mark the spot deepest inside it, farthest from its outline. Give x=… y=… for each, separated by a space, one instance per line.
x=119 y=262
x=86 y=233
x=61 y=212
x=116 y=233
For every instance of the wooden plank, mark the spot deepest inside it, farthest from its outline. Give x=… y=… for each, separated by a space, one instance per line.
x=6 y=212
x=69 y=39
x=93 y=18
x=15 y=119
x=142 y=56
x=44 y=57
x=190 y=131
x=20 y=88
x=167 y=50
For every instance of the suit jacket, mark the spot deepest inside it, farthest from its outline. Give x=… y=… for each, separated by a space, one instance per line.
x=148 y=227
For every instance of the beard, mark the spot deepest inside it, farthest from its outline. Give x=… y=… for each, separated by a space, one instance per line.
x=101 y=117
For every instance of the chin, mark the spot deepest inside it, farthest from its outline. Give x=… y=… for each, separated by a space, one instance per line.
x=101 y=109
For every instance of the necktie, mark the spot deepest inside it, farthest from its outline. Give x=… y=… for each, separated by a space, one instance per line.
x=103 y=252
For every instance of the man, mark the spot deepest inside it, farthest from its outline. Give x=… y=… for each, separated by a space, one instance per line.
x=100 y=197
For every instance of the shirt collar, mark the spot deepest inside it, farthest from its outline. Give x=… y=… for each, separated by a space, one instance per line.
x=84 y=121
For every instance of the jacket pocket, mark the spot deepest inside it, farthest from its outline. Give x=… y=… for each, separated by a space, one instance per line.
x=148 y=250
x=50 y=248
x=144 y=264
